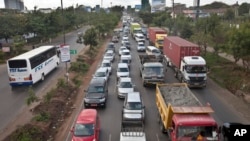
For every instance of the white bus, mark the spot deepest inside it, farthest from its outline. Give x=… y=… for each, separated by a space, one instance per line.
x=32 y=66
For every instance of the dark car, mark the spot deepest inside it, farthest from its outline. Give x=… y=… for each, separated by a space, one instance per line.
x=127 y=45
x=226 y=130
x=97 y=93
x=110 y=46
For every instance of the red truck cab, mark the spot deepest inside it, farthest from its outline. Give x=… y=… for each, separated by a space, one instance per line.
x=187 y=127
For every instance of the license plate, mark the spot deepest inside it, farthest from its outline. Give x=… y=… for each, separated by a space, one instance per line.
x=196 y=83
x=93 y=104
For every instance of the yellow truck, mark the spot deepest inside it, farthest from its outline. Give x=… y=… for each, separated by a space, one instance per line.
x=156 y=36
x=182 y=115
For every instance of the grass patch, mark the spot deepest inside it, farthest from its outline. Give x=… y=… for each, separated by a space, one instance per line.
x=226 y=73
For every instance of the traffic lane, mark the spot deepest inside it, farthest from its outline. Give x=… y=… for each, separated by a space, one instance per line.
x=152 y=128
x=13 y=101
x=110 y=117
x=220 y=100
x=217 y=97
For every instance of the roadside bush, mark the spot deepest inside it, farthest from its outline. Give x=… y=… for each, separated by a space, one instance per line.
x=32 y=96
x=79 y=67
x=61 y=83
x=49 y=95
x=77 y=81
x=43 y=117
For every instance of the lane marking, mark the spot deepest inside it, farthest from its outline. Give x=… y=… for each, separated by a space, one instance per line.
x=157 y=137
x=110 y=138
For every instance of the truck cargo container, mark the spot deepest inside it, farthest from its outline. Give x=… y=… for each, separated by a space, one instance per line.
x=184 y=57
x=156 y=36
x=135 y=28
x=182 y=115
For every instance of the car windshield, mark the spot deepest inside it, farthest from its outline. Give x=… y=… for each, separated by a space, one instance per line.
x=106 y=65
x=134 y=106
x=125 y=61
x=194 y=131
x=108 y=54
x=196 y=69
x=125 y=53
x=96 y=89
x=125 y=85
x=153 y=71
x=83 y=130
x=122 y=69
x=100 y=74
x=156 y=51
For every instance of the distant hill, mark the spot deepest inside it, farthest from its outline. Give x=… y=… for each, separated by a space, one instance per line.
x=215 y=5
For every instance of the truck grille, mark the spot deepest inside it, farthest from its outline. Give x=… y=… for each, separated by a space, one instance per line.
x=196 y=79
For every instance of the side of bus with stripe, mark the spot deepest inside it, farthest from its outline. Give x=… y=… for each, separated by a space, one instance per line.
x=32 y=66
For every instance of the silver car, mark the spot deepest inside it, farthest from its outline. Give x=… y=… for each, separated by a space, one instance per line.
x=124 y=87
x=133 y=108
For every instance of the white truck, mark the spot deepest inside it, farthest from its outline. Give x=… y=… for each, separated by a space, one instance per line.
x=184 y=57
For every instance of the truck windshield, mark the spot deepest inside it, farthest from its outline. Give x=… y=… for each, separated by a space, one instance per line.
x=196 y=69
x=153 y=71
x=160 y=42
x=195 y=131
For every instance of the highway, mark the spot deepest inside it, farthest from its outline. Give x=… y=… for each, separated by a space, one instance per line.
x=12 y=102
x=111 y=116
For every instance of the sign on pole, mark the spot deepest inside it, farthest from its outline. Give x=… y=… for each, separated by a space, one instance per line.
x=73 y=51
x=65 y=53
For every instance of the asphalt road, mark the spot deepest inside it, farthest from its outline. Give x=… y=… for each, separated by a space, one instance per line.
x=13 y=101
x=110 y=117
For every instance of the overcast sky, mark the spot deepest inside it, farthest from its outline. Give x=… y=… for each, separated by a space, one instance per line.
x=107 y=3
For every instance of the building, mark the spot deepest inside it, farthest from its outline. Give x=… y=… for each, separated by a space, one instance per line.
x=14 y=4
x=144 y=4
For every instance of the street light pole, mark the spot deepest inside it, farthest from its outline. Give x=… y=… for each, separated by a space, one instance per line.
x=64 y=42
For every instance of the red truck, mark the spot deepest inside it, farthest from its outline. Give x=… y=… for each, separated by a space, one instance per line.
x=184 y=57
x=156 y=36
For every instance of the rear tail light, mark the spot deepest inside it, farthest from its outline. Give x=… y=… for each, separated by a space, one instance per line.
x=28 y=78
x=12 y=79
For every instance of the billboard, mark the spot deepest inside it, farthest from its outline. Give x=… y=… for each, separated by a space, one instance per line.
x=157 y=5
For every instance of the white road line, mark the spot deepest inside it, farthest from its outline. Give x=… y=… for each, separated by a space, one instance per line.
x=110 y=138
x=157 y=137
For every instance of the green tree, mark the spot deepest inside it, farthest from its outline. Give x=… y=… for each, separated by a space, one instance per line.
x=239 y=43
x=244 y=9
x=90 y=38
x=229 y=15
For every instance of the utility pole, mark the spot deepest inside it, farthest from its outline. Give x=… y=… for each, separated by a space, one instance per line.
x=197 y=9
x=64 y=42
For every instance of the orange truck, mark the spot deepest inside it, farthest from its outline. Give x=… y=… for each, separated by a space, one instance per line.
x=182 y=116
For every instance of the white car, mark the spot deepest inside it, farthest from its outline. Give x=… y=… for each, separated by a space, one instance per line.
x=107 y=64
x=121 y=49
x=122 y=71
x=139 y=37
x=126 y=54
x=109 y=55
x=125 y=39
x=124 y=86
x=102 y=73
x=141 y=47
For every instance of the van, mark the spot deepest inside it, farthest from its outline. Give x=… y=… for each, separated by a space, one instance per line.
x=139 y=37
x=151 y=50
x=122 y=70
x=87 y=126
x=97 y=93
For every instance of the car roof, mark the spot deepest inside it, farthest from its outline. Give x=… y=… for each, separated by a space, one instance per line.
x=101 y=69
x=122 y=65
x=106 y=61
x=98 y=81
x=141 y=43
x=133 y=97
x=125 y=79
x=125 y=50
x=123 y=47
x=110 y=51
x=87 y=116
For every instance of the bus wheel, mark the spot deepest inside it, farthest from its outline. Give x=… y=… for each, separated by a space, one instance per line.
x=42 y=77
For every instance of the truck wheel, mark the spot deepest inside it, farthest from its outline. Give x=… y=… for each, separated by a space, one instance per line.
x=162 y=128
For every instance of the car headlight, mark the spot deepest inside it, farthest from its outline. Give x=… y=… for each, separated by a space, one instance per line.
x=86 y=100
x=102 y=99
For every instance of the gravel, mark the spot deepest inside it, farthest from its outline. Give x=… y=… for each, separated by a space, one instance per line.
x=178 y=95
